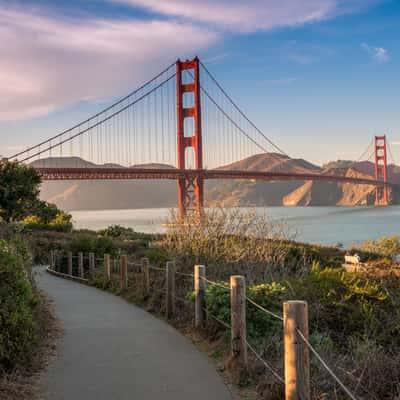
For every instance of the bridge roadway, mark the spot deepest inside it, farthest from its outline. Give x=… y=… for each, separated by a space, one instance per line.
x=112 y=350
x=165 y=173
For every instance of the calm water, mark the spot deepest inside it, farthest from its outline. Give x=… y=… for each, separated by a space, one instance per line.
x=325 y=225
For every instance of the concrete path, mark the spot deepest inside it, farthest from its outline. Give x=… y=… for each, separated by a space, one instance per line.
x=112 y=350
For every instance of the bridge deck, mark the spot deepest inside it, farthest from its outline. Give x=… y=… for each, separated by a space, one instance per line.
x=114 y=350
x=150 y=173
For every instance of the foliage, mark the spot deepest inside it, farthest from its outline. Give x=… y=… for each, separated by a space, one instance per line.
x=234 y=240
x=259 y=324
x=86 y=243
x=46 y=212
x=123 y=233
x=19 y=189
x=62 y=222
x=341 y=303
x=385 y=246
x=18 y=325
x=156 y=256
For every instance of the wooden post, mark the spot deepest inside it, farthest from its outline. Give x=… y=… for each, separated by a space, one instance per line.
x=91 y=264
x=123 y=272
x=107 y=271
x=200 y=295
x=297 y=357
x=238 y=324
x=70 y=263
x=145 y=277
x=81 y=272
x=170 y=290
x=52 y=259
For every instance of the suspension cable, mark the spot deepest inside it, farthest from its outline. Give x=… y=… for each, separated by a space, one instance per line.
x=96 y=115
x=243 y=114
x=100 y=122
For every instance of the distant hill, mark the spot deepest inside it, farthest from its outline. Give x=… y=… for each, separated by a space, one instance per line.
x=271 y=162
x=342 y=194
x=105 y=194
x=96 y=195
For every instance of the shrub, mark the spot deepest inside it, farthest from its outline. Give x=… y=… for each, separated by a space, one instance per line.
x=234 y=240
x=18 y=326
x=341 y=303
x=87 y=243
x=259 y=324
x=385 y=246
x=156 y=256
x=123 y=233
x=60 y=223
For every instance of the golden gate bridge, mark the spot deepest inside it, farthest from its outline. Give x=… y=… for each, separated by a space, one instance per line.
x=181 y=125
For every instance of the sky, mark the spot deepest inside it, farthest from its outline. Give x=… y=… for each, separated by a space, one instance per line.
x=319 y=77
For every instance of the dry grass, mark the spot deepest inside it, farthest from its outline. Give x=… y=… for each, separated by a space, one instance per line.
x=230 y=241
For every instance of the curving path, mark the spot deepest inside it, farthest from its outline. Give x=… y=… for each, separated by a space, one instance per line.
x=112 y=350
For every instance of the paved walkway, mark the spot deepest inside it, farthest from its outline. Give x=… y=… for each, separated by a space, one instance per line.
x=112 y=350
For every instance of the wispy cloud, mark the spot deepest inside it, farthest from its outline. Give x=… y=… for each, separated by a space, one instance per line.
x=249 y=16
x=379 y=54
x=217 y=58
x=47 y=61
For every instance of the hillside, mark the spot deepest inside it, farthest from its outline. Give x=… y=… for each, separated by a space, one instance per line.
x=342 y=194
x=99 y=195
x=96 y=195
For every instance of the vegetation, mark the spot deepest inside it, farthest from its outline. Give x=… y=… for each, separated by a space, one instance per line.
x=19 y=200
x=233 y=241
x=385 y=246
x=89 y=243
x=19 y=190
x=18 y=306
x=354 y=319
x=62 y=222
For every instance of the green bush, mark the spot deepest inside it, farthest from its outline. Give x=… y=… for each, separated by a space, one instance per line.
x=259 y=324
x=60 y=223
x=156 y=256
x=342 y=303
x=87 y=243
x=120 y=232
x=18 y=302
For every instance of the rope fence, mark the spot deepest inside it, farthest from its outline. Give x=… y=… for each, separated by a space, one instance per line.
x=294 y=319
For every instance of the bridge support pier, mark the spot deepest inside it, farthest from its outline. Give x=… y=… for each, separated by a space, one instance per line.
x=188 y=108
x=381 y=194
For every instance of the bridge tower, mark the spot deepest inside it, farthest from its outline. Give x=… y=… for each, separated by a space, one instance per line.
x=381 y=171
x=189 y=136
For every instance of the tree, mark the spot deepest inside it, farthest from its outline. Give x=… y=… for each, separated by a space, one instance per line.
x=46 y=212
x=19 y=190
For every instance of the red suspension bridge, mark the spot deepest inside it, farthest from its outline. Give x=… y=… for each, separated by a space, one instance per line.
x=180 y=125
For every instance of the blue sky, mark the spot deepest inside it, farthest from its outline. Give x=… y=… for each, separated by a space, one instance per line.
x=320 y=77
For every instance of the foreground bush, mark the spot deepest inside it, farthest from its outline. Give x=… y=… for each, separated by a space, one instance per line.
x=18 y=303
x=354 y=325
x=89 y=243
x=385 y=246
x=235 y=241
x=62 y=222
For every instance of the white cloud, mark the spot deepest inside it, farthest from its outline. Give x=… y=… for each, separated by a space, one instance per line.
x=47 y=62
x=251 y=15
x=377 y=53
